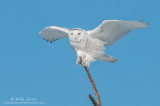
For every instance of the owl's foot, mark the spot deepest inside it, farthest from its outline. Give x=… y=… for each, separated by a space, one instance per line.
x=82 y=61
x=85 y=63
x=79 y=60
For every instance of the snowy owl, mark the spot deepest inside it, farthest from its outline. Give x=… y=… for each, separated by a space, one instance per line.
x=90 y=45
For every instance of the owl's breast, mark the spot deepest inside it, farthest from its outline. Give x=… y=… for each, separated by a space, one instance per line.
x=76 y=44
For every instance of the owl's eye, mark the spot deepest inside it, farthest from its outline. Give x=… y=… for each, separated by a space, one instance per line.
x=79 y=33
x=71 y=33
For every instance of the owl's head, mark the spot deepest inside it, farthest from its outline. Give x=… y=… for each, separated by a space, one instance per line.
x=77 y=34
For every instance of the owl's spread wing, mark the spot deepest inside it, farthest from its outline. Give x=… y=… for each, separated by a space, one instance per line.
x=53 y=33
x=112 y=30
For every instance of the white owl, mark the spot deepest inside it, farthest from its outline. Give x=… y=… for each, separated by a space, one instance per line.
x=90 y=45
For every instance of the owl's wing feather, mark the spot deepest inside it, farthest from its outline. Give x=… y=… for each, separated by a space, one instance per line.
x=53 y=33
x=112 y=30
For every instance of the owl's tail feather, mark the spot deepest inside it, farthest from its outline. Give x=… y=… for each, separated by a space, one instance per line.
x=107 y=58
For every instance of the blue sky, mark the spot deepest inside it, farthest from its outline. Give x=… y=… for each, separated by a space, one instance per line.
x=31 y=67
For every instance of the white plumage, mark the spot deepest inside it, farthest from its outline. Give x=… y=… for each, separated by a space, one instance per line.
x=90 y=45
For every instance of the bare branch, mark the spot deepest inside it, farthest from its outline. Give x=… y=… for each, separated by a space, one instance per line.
x=94 y=87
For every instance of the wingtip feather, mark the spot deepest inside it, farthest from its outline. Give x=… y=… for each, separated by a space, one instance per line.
x=146 y=25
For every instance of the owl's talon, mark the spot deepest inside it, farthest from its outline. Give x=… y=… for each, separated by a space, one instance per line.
x=82 y=61
x=79 y=61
